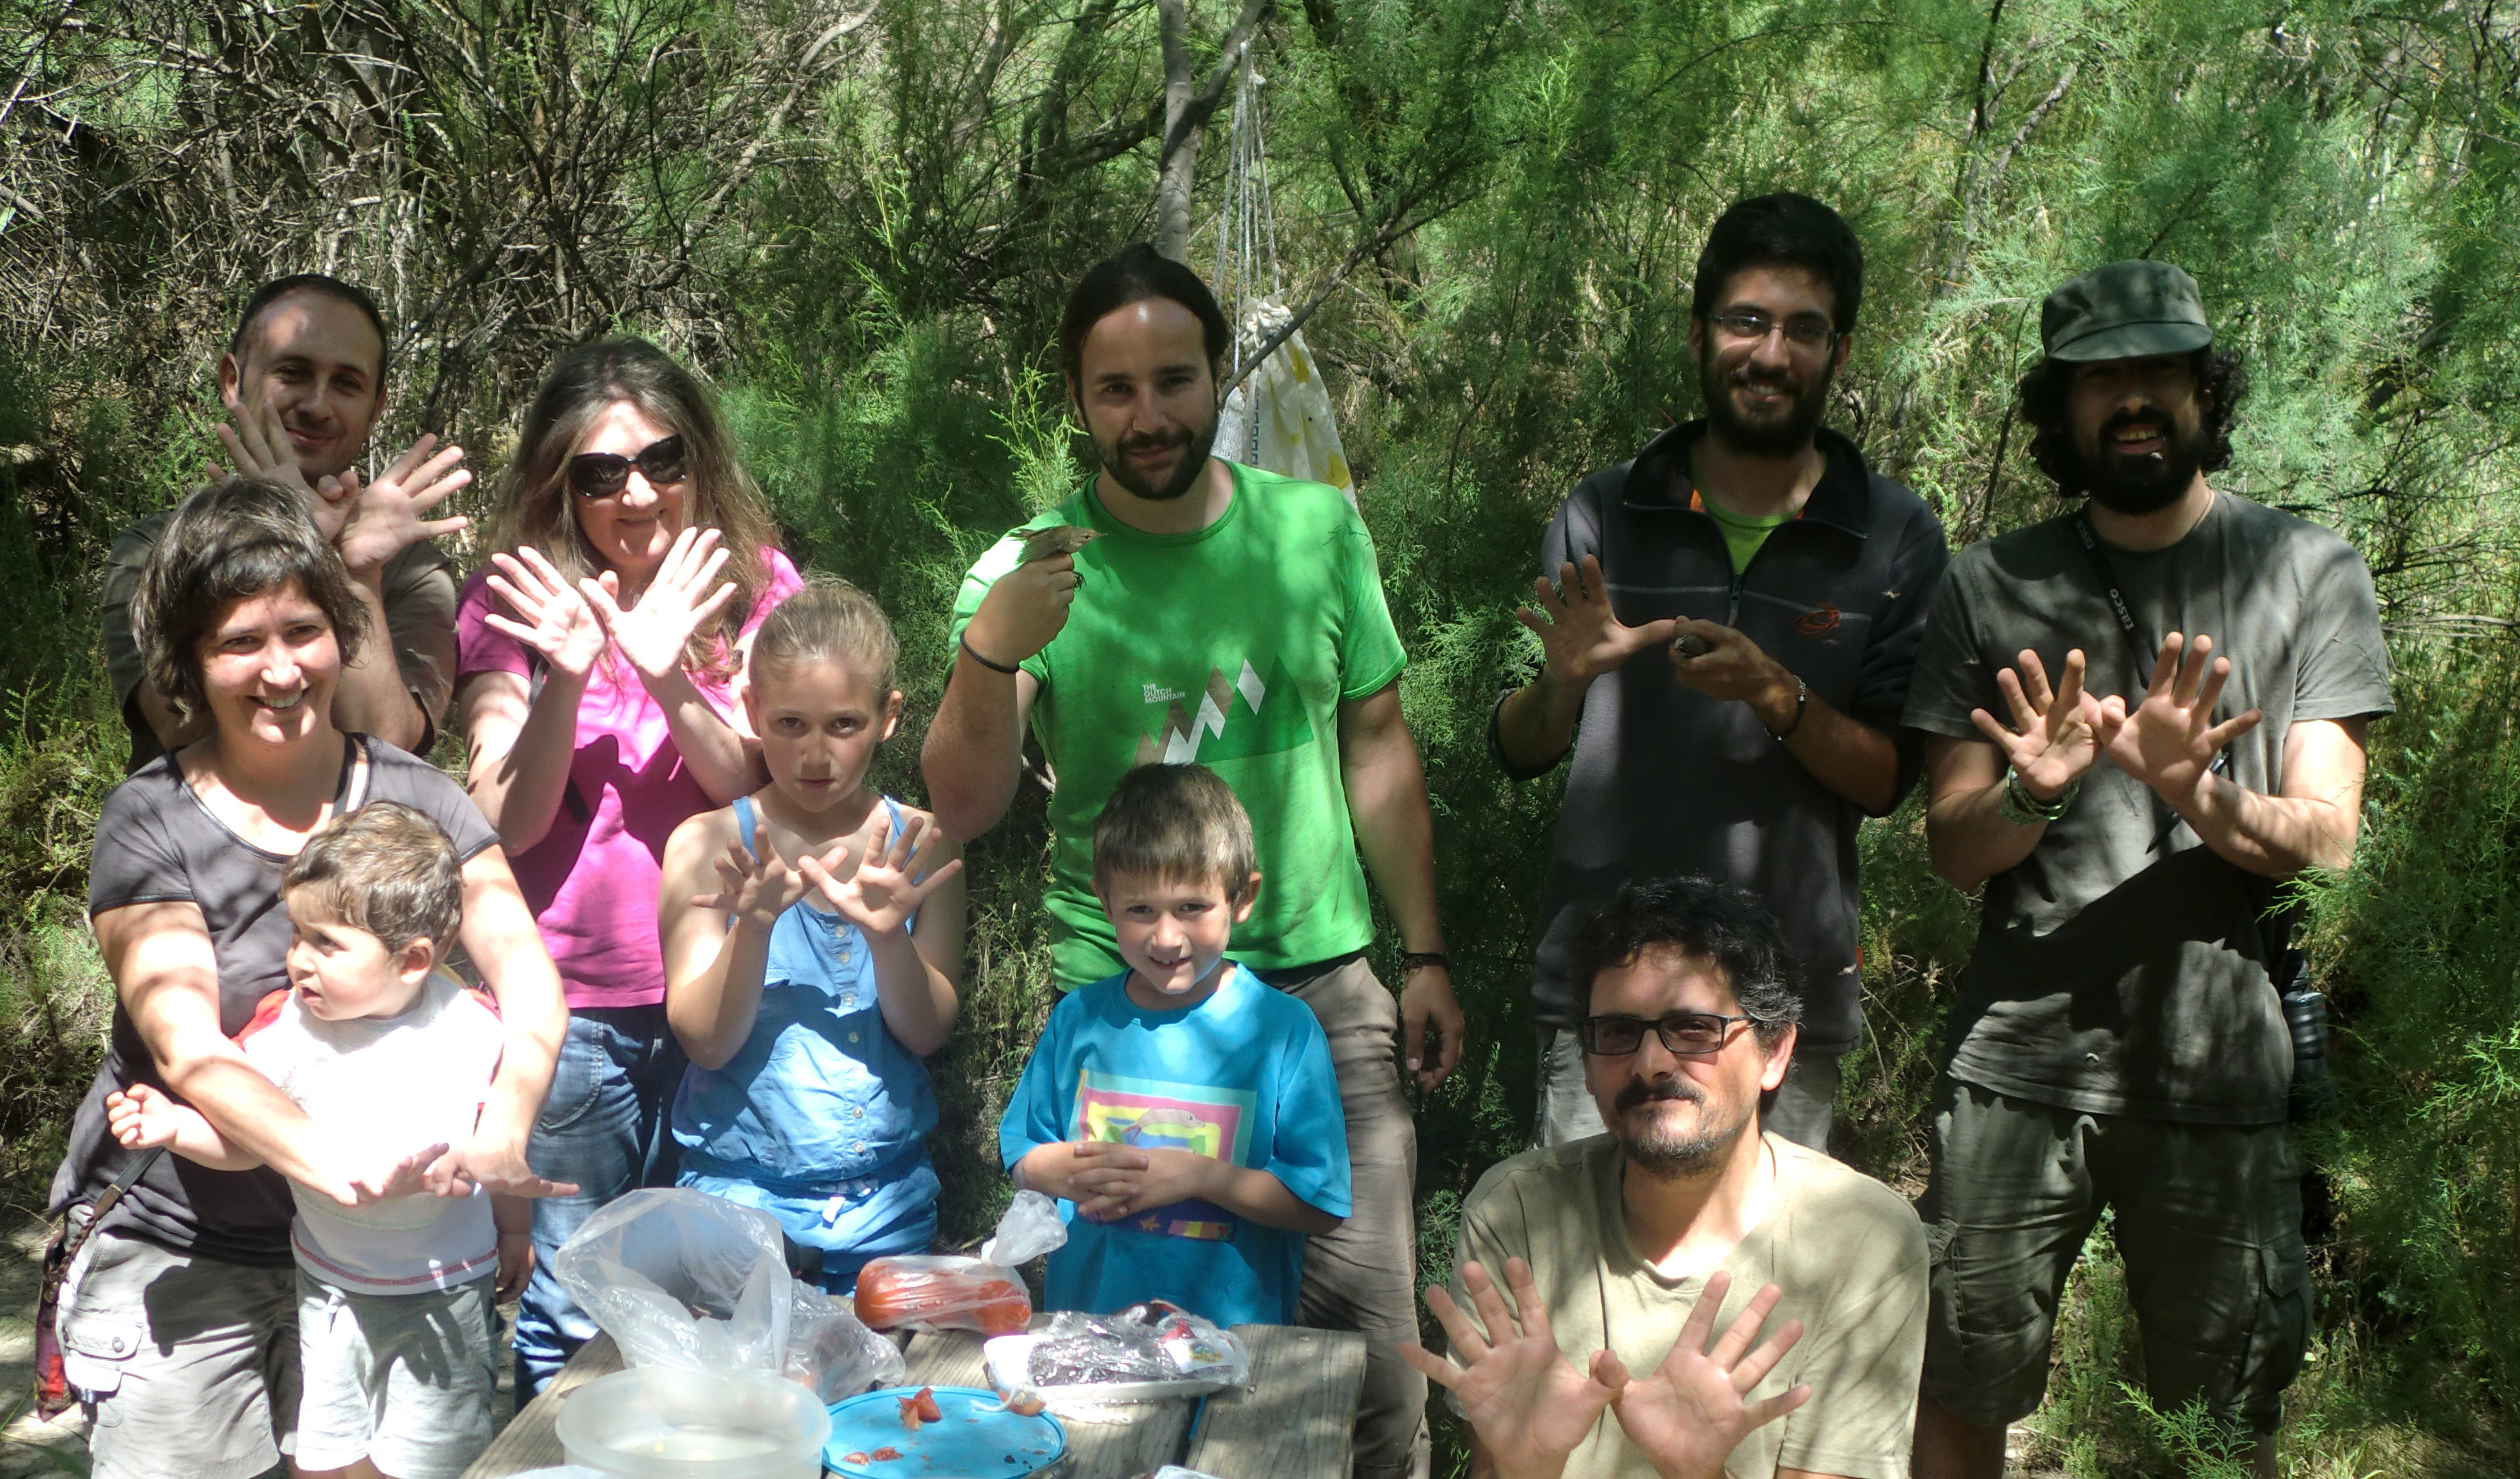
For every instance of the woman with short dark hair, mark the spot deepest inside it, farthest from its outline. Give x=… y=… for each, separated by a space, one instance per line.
x=597 y=691
x=177 y=1318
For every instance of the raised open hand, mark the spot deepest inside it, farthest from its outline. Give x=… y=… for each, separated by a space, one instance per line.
x=887 y=887
x=2054 y=737
x=756 y=887
x=677 y=603
x=2170 y=740
x=257 y=442
x=1693 y=1410
x=1529 y=1406
x=557 y=620
x=386 y=515
x=1580 y=636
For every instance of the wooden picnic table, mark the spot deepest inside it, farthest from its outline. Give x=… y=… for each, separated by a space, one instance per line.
x=1295 y=1421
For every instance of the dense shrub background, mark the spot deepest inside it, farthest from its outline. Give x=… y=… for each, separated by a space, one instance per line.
x=858 y=222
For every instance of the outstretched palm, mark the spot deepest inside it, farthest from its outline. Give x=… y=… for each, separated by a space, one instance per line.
x=1529 y=1407
x=1580 y=636
x=757 y=887
x=385 y=518
x=1688 y=1414
x=887 y=886
x=653 y=630
x=2170 y=740
x=2053 y=739
x=257 y=442
x=555 y=621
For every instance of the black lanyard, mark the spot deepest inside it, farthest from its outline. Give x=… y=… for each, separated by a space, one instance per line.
x=2148 y=655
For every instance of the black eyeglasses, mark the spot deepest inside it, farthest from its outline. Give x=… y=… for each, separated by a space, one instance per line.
x=1751 y=328
x=1687 y=1034
x=600 y=475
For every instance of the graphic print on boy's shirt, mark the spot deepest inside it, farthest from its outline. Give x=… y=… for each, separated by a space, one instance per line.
x=1152 y=1115
x=1234 y=719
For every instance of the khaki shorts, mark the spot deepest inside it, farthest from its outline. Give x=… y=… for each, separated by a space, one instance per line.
x=404 y=1379
x=187 y=1365
x=2208 y=1224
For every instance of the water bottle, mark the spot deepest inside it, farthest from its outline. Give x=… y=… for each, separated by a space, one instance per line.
x=2304 y=1011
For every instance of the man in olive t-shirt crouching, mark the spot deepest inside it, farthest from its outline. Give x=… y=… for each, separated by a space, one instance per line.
x=1626 y=1250
x=2119 y=1040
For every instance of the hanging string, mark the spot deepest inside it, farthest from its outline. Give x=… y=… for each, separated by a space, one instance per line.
x=1247 y=233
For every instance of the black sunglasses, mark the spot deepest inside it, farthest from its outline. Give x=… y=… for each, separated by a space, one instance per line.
x=1687 y=1034
x=600 y=475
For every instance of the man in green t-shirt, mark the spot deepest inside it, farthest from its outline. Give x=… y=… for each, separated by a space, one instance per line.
x=1235 y=618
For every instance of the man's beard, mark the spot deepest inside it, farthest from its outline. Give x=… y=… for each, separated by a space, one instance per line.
x=1779 y=436
x=1195 y=444
x=1662 y=1153
x=2132 y=486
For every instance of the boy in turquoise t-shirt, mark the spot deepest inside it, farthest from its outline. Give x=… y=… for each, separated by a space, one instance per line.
x=1184 y=1113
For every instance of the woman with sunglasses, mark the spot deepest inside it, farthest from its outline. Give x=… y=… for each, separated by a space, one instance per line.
x=597 y=691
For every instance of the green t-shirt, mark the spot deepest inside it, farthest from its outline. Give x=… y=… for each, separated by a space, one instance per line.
x=1743 y=535
x=1233 y=645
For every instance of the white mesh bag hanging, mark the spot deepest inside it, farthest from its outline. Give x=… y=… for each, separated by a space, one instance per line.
x=1279 y=418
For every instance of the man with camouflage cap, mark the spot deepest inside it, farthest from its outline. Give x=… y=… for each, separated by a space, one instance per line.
x=2119 y=1040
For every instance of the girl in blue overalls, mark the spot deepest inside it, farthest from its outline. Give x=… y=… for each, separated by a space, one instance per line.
x=813 y=934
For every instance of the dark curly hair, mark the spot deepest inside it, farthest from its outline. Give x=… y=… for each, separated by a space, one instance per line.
x=1691 y=915
x=2220 y=376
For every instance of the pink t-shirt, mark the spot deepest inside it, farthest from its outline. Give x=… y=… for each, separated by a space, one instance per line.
x=591 y=880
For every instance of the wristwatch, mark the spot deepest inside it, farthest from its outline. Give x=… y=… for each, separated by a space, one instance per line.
x=2022 y=809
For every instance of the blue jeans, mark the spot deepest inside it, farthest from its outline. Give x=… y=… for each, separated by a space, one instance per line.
x=603 y=1127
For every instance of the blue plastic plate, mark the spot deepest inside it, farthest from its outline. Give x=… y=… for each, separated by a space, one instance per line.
x=968 y=1444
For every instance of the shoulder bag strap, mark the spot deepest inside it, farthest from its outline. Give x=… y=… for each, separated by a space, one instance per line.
x=2147 y=652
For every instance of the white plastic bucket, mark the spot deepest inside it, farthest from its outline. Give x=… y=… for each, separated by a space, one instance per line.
x=655 y=1422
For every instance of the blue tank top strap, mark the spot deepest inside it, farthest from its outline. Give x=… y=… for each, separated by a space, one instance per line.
x=743 y=819
x=893 y=809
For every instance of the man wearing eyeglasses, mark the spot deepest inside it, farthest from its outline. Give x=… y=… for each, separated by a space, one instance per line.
x=303 y=381
x=1726 y=649
x=1624 y=1254
x=2119 y=1041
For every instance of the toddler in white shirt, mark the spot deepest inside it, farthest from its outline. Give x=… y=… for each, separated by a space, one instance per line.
x=397 y=1329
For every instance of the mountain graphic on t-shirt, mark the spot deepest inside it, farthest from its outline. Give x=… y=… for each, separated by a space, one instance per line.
x=1231 y=719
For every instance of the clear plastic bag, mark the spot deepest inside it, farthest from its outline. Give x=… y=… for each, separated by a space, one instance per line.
x=832 y=1350
x=1150 y=1342
x=984 y=1294
x=681 y=1278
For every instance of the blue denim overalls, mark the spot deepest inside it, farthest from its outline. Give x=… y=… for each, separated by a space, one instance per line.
x=821 y=1117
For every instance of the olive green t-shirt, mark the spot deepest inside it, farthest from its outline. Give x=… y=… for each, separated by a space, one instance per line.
x=1233 y=645
x=1847 y=1251
x=2124 y=966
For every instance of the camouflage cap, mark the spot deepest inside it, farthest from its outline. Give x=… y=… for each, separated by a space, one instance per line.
x=2123 y=311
